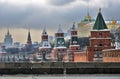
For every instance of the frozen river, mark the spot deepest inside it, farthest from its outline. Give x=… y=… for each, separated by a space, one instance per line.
x=86 y=76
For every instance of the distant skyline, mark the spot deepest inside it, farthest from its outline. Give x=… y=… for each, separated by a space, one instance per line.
x=37 y=14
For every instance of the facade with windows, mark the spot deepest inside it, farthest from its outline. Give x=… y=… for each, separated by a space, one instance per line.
x=74 y=46
x=99 y=40
x=45 y=47
x=111 y=55
x=59 y=50
x=8 y=41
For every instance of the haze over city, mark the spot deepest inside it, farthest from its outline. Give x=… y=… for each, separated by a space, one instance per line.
x=20 y=15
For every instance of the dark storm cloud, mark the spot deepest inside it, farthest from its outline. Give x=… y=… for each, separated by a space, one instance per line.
x=60 y=2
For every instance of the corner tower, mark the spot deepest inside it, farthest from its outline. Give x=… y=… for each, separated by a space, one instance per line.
x=99 y=39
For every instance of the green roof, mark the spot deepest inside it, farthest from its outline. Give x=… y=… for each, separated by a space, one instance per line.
x=99 y=23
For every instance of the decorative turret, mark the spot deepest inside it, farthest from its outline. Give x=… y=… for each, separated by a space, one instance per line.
x=45 y=47
x=44 y=35
x=74 y=38
x=74 y=47
x=60 y=49
x=59 y=42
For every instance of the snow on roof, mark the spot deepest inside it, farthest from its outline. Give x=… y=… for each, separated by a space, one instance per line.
x=45 y=44
x=61 y=47
x=111 y=49
x=101 y=30
x=100 y=38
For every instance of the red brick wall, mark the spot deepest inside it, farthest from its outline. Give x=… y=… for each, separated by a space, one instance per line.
x=111 y=55
x=97 y=34
x=104 y=42
x=90 y=53
x=111 y=59
x=80 y=57
x=99 y=40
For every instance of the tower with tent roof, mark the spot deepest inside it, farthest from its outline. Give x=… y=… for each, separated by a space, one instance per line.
x=99 y=39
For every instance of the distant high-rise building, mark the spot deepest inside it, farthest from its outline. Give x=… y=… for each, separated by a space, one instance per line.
x=8 y=41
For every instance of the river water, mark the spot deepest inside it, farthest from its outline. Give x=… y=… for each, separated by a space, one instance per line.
x=86 y=76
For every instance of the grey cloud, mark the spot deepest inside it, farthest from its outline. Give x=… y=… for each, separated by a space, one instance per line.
x=60 y=2
x=38 y=17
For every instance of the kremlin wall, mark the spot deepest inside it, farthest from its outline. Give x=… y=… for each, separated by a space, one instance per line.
x=100 y=42
x=99 y=57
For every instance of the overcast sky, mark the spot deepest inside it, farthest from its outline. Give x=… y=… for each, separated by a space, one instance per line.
x=36 y=14
x=51 y=13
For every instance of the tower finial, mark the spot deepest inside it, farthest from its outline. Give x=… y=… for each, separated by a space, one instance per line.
x=44 y=31
x=73 y=27
x=8 y=31
x=74 y=23
x=59 y=29
x=99 y=10
x=88 y=10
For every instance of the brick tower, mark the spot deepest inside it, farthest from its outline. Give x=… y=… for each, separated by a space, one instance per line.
x=45 y=47
x=74 y=47
x=60 y=49
x=99 y=39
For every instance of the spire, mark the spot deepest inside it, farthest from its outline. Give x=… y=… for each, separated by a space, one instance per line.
x=99 y=23
x=59 y=29
x=8 y=33
x=73 y=27
x=88 y=10
x=29 y=37
x=44 y=32
x=88 y=17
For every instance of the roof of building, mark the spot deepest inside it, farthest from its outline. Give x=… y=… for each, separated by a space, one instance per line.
x=73 y=27
x=59 y=30
x=99 y=23
x=45 y=44
x=29 y=36
x=44 y=32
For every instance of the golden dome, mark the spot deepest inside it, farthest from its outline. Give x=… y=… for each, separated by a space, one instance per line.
x=88 y=17
x=113 y=22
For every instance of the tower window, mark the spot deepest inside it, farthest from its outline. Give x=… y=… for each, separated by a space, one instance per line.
x=100 y=44
x=100 y=35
